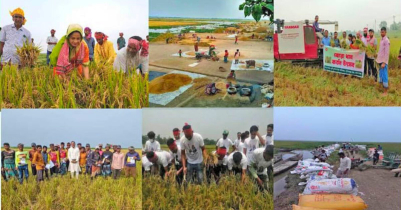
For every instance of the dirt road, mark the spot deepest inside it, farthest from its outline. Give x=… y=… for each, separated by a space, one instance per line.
x=161 y=56
x=378 y=188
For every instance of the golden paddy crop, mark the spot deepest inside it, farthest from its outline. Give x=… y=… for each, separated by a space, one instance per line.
x=62 y=192
x=228 y=194
x=38 y=88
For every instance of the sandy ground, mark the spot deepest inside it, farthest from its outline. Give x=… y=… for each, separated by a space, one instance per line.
x=161 y=56
x=378 y=187
x=195 y=97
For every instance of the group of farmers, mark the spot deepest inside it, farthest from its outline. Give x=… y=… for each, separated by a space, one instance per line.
x=251 y=153
x=368 y=39
x=76 y=49
x=59 y=159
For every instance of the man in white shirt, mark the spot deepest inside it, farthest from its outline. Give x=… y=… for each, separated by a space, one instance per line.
x=152 y=144
x=269 y=136
x=177 y=136
x=175 y=151
x=192 y=152
x=161 y=159
x=237 y=163
x=73 y=157
x=238 y=140
x=241 y=145
x=253 y=142
x=13 y=36
x=225 y=143
x=146 y=165
x=261 y=159
x=51 y=42
x=345 y=166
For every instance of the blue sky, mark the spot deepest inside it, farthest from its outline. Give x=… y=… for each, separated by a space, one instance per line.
x=209 y=122
x=110 y=17
x=197 y=9
x=93 y=126
x=375 y=124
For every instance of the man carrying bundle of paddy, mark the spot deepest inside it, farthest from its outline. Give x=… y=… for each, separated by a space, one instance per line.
x=258 y=164
x=13 y=36
x=370 y=57
x=104 y=50
x=175 y=151
x=192 y=152
x=133 y=57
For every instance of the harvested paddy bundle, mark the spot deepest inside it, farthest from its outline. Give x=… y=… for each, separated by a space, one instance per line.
x=28 y=54
x=360 y=45
x=261 y=30
x=168 y=83
x=344 y=44
x=370 y=51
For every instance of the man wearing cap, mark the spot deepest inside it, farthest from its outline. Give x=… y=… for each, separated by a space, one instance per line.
x=161 y=159
x=130 y=162
x=96 y=160
x=73 y=157
x=107 y=157
x=104 y=50
x=261 y=159
x=237 y=163
x=192 y=152
x=51 y=42
x=225 y=144
x=177 y=136
x=13 y=36
x=133 y=57
x=8 y=162
x=121 y=41
x=31 y=153
x=118 y=162
x=152 y=144
x=88 y=168
x=55 y=159
x=21 y=161
x=175 y=151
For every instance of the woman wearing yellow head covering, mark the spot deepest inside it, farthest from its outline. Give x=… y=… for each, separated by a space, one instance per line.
x=71 y=52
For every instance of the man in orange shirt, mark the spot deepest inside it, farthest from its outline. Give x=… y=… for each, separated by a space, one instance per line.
x=38 y=161
x=31 y=153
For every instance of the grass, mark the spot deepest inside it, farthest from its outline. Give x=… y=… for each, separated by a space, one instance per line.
x=62 y=192
x=228 y=194
x=301 y=86
x=388 y=147
x=38 y=88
